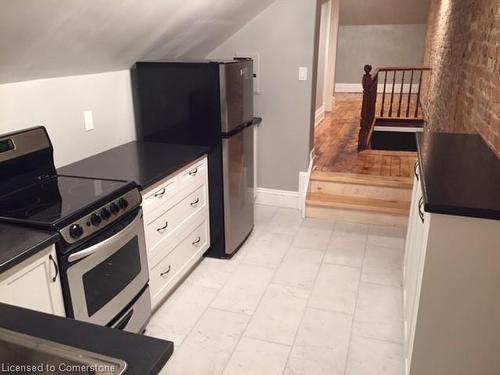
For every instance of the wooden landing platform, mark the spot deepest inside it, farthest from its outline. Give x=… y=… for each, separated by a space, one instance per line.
x=336 y=145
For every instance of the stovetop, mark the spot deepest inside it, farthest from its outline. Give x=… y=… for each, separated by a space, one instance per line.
x=58 y=200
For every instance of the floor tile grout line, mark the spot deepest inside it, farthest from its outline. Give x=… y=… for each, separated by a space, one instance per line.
x=199 y=318
x=209 y=306
x=177 y=288
x=306 y=306
x=380 y=284
x=349 y=346
x=256 y=308
x=267 y=341
x=378 y=339
x=309 y=293
x=209 y=303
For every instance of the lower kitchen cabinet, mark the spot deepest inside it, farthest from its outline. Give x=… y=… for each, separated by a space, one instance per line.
x=451 y=293
x=176 y=220
x=34 y=284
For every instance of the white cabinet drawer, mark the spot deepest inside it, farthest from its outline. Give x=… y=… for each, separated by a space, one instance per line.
x=168 y=223
x=194 y=175
x=160 y=195
x=174 y=187
x=170 y=269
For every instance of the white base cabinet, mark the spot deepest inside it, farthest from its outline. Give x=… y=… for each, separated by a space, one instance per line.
x=176 y=220
x=451 y=293
x=34 y=284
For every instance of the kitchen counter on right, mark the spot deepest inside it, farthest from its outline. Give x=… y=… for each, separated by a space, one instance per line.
x=459 y=174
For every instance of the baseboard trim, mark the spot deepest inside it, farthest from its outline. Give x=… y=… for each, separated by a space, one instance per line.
x=304 y=179
x=348 y=87
x=278 y=198
x=288 y=198
x=358 y=88
x=319 y=115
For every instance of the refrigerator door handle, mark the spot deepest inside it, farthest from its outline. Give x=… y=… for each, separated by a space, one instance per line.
x=256 y=121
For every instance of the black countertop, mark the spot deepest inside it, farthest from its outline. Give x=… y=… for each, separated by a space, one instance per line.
x=18 y=244
x=144 y=355
x=143 y=162
x=460 y=175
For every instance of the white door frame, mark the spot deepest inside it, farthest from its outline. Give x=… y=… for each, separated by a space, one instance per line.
x=331 y=54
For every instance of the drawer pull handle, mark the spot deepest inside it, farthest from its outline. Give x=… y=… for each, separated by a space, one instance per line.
x=420 y=204
x=415 y=169
x=197 y=241
x=55 y=267
x=193 y=172
x=165 y=272
x=162 y=229
x=160 y=193
x=194 y=203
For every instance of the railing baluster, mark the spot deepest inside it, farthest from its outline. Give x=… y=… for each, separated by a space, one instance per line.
x=392 y=93
x=370 y=97
x=367 y=107
x=409 y=95
x=418 y=93
x=383 y=96
x=401 y=93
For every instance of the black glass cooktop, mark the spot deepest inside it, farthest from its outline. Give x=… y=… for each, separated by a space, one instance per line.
x=55 y=201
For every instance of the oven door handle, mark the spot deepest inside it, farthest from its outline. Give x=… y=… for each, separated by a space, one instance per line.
x=106 y=243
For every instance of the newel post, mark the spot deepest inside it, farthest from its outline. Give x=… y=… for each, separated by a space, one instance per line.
x=367 y=108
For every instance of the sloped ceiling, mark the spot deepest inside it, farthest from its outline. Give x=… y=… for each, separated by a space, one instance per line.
x=383 y=12
x=52 y=38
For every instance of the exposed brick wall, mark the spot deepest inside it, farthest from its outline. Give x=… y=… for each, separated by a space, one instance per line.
x=463 y=47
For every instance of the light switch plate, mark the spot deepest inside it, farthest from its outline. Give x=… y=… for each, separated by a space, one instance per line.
x=302 y=73
x=88 y=119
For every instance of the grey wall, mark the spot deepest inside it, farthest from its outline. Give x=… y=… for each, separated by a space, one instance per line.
x=383 y=12
x=283 y=35
x=377 y=45
x=58 y=104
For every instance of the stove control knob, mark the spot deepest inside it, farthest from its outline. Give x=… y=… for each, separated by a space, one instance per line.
x=122 y=202
x=114 y=208
x=105 y=214
x=95 y=220
x=75 y=231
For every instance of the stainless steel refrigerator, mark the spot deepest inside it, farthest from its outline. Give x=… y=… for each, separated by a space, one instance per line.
x=206 y=103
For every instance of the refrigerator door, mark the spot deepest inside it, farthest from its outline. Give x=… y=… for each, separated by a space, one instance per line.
x=238 y=174
x=236 y=91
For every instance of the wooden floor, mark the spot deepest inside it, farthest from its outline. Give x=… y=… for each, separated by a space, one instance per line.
x=336 y=143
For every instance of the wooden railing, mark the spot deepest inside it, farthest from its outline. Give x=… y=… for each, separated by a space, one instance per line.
x=401 y=79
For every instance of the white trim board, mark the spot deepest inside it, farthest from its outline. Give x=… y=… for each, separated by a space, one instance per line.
x=397 y=129
x=278 y=198
x=319 y=115
x=358 y=88
x=304 y=178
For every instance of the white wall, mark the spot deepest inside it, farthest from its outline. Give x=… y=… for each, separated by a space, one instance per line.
x=322 y=49
x=45 y=39
x=58 y=104
x=283 y=35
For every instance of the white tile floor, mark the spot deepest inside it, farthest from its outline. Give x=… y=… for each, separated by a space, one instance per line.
x=301 y=297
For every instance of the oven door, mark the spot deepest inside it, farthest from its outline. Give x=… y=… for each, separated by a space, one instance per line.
x=107 y=273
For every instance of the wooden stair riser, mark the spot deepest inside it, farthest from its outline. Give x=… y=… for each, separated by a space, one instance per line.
x=364 y=191
x=356 y=216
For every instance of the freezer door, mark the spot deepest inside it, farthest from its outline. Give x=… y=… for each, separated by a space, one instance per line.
x=238 y=174
x=236 y=90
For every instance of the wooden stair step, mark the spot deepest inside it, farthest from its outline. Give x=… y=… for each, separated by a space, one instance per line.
x=358 y=179
x=390 y=153
x=358 y=203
